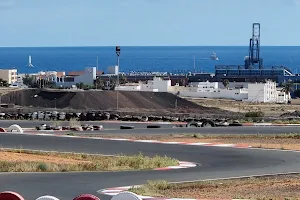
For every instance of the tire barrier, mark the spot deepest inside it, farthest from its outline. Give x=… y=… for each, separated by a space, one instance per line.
x=101 y=116
x=126 y=127
x=126 y=196
x=153 y=126
x=15 y=128
x=85 y=116
x=2 y=129
x=192 y=124
x=86 y=197
x=47 y=198
x=85 y=127
x=208 y=123
x=8 y=195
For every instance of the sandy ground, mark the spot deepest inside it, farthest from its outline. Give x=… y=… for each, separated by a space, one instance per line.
x=259 y=142
x=270 y=109
x=285 y=187
x=11 y=156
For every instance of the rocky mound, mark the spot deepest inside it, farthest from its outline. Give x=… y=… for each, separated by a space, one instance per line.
x=102 y=100
x=291 y=114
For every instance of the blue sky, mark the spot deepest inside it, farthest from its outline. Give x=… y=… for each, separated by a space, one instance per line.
x=147 y=22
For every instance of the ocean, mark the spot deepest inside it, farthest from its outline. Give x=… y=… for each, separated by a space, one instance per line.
x=162 y=59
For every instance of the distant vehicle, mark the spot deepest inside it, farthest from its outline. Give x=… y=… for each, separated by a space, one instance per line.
x=214 y=56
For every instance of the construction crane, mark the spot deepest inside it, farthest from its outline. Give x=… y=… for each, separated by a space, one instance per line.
x=254 y=49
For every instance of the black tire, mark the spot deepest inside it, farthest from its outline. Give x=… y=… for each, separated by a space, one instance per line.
x=153 y=126
x=192 y=124
x=208 y=124
x=126 y=127
x=235 y=124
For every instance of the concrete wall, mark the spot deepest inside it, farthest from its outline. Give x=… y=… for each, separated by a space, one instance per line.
x=161 y=85
x=235 y=85
x=128 y=88
x=204 y=84
x=236 y=94
x=113 y=70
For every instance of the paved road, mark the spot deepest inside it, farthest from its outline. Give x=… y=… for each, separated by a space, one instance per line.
x=141 y=128
x=216 y=162
x=209 y=130
x=106 y=125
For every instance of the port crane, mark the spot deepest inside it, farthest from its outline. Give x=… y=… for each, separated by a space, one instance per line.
x=254 y=49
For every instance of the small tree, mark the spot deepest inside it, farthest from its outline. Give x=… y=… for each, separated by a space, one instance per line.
x=28 y=80
x=3 y=83
x=100 y=84
x=287 y=88
x=226 y=83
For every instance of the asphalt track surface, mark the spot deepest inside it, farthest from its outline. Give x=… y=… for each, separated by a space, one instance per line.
x=214 y=162
x=141 y=128
x=106 y=125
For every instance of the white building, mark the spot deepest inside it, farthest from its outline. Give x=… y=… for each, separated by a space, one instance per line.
x=155 y=85
x=9 y=75
x=253 y=92
x=262 y=92
x=113 y=70
x=211 y=92
x=87 y=77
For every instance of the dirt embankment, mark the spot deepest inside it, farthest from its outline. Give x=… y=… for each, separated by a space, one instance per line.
x=104 y=100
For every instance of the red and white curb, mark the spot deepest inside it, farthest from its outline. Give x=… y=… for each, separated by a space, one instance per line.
x=59 y=134
x=182 y=165
x=115 y=191
x=268 y=124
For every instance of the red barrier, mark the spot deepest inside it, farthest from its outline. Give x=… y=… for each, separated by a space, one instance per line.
x=8 y=195
x=86 y=197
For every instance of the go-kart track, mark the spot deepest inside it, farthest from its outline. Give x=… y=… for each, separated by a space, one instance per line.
x=211 y=162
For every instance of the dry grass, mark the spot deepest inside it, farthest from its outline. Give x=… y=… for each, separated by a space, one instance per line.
x=283 y=187
x=12 y=160
x=239 y=106
x=74 y=123
x=273 y=141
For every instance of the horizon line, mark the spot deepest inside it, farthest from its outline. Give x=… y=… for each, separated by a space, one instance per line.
x=147 y=46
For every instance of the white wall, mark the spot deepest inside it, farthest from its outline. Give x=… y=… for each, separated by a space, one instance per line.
x=236 y=94
x=262 y=92
x=113 y=70
x=161 y=85
x=204 y=84
x=128 y=88
x=235 y=85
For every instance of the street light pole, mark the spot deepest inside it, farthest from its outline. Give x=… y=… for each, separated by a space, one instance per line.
x=118 y=51
x=96 y=82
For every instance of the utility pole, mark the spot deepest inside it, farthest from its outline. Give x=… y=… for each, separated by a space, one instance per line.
x=194 y=63
x=96 y=72
x=118 y=51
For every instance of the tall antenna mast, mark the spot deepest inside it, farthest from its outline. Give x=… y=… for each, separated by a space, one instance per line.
x=194 y=63
x=97 y=63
